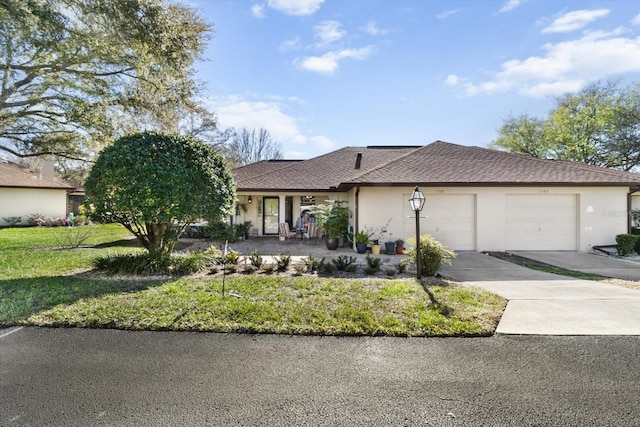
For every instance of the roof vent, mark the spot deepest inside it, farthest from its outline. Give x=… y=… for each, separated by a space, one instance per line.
x=358 y=160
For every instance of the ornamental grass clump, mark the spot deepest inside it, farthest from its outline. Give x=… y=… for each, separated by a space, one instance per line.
x=313 y=263
x=433 y=254
x=343 y=262
x=142 y=263
x=282 y=262
x=256 y=259
x=373 y=265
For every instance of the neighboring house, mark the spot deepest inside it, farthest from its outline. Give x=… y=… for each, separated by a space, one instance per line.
x=476 y=198
x=24 y=192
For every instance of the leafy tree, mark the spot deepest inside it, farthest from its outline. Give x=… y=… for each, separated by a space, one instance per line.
x=580 y=125
x=76 y=73
x=525 y=135
x=156 y=184
x=249 y=146
x=599 y=125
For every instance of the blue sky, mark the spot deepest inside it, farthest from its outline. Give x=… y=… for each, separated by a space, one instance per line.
x=324 y=74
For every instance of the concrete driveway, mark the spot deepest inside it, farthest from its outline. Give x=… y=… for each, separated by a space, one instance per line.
x=587 y=263
x=547 y=304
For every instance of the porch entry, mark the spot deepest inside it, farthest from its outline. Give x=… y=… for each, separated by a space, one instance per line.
x=272 y=216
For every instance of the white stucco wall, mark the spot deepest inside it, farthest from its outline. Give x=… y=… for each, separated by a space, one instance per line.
x=23 y=202
x=601 y=212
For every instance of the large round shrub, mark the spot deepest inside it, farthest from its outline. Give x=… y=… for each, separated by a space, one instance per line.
x=156 y=184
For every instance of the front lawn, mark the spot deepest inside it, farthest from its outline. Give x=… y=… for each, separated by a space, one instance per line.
x=38 y=289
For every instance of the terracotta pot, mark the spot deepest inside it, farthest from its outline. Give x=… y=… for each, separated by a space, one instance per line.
x=400 y=250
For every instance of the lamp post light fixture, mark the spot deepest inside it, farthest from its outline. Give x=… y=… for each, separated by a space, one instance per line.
x=249 y=199
x=417 y=204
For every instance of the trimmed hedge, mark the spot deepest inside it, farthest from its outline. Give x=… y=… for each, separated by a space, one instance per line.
x=626 y=243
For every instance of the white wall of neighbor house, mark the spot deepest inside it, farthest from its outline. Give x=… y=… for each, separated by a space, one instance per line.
x=23 y=202
x=501 y=218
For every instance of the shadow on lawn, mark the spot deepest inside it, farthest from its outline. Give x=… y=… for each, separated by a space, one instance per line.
x=441 y=308
x=124 y=243
x=135 y=243
x=21 y=298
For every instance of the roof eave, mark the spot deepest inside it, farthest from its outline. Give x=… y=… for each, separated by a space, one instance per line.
x=345 y=186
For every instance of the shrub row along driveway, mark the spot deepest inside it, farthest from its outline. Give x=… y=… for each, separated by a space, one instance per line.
x=547 y=304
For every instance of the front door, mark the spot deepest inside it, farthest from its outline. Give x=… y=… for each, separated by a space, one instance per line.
x=271 y=216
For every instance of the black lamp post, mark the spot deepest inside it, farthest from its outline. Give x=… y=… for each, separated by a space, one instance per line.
x=417 y=203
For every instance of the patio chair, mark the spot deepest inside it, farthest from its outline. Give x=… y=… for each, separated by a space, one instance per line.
x=311 y=232
x=283 y=228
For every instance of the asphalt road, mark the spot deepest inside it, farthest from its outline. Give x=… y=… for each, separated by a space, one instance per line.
x=76 y=377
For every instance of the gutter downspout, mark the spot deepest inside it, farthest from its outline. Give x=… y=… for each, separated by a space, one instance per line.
x=356 y=209
x=631 y=191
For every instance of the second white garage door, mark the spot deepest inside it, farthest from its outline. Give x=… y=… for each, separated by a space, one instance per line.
x=450 y=219
x=541 y=222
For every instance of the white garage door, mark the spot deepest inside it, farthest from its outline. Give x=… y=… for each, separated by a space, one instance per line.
x=450 y=219
x=541 y=222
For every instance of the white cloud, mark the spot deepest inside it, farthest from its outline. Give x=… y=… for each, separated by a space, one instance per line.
x=510 y=5
x=452 y=80
x=447 y=13
x=329 y=62
x=328 y=32
x=323 y=143
x=238 y=113
x=296 y=7
x=269 y=112
x=574 y=20
x=289 y=45
x=565 y=67
x=258 y=11
x=553 y=88
x=636 y=20
x=372 y=28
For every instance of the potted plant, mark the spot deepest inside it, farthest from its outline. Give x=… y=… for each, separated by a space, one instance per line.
x=390 y=247
x=243 y=229
x=400 y=246
x=362 y=240
x=375 y=247
x=380 y=233
x=333 y=220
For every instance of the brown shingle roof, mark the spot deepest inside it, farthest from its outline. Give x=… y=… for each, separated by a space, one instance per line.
x=320 y=173
x=439 y=163
x=13 y=175
x=446 y=163
x=255 y=170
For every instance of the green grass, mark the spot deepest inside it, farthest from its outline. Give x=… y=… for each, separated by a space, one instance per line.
x=38 y=289
x=286 y=305
x=35 y=252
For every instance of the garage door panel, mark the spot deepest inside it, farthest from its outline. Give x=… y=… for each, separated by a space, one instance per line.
x=541 y=222
x=449 y=219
